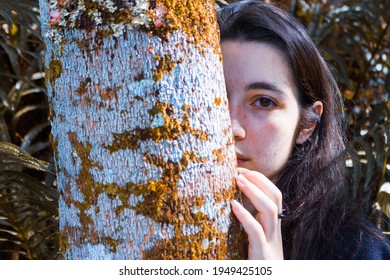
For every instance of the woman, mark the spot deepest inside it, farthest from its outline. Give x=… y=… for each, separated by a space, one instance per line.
x=289 y=135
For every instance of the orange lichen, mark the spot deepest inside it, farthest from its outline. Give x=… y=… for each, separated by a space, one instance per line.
x=109 y=94
x=172 y=129
x=165 y=64
x=54 y=70
x=161 y=202
x=196 y=19
x=82 y=89
x=64 y=243
x=220 y=155
x=112 y=242
x=90 y=191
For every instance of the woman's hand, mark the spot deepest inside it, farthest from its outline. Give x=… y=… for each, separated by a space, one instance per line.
x=264 y=230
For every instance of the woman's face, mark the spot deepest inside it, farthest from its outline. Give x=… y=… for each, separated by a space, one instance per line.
x=263 y=100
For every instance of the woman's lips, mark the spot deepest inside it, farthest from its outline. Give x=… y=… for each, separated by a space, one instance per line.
x=241 y=158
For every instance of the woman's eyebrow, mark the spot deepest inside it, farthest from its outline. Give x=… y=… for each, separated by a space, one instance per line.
x=266 y=86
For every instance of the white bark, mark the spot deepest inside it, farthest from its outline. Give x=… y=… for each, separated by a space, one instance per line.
x=108 y=92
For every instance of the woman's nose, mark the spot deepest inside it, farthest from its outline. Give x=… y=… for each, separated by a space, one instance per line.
x=238 y=130
x=236 y=117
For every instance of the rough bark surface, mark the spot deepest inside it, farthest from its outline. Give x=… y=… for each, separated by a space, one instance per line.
x=141 y=130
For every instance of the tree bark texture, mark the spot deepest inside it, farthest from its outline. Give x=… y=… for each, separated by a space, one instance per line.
x=141 y=130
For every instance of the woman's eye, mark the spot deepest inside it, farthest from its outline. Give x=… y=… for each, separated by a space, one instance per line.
x=264 y=102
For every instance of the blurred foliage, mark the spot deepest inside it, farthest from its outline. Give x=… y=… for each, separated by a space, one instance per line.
x=28 y=207
x=354 y=36
x=28 y=199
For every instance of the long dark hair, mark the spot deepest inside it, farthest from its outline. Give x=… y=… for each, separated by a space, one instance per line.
x=314 y=181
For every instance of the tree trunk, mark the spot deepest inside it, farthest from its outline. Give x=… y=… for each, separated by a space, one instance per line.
x=141 y=130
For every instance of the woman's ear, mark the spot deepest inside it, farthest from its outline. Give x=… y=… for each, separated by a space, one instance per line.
x=310 y=122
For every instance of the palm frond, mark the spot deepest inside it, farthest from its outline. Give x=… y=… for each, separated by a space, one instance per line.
x=28 y=207
x=12 y=155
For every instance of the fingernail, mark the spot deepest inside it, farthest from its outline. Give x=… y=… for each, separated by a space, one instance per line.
x=242 y=170
x=235 y=203
x=240 y=178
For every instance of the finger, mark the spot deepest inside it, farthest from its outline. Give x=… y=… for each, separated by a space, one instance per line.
x=268 y=210
x=251 y=226
x=263 y=183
